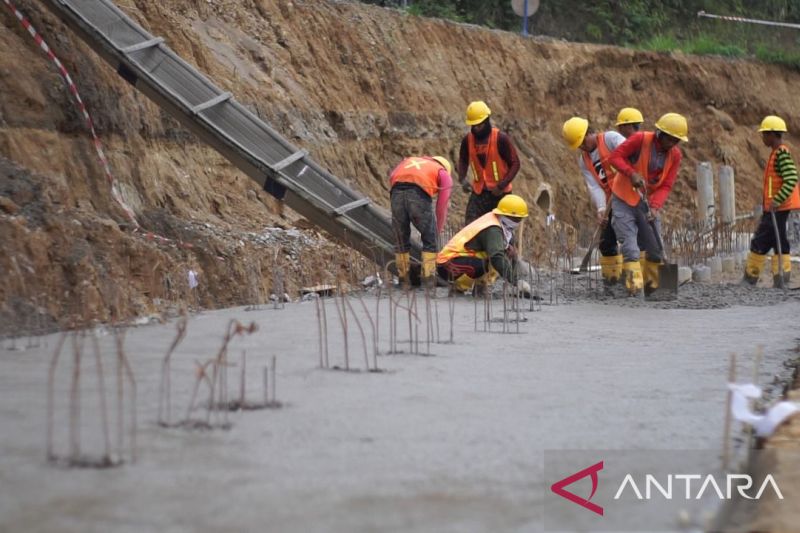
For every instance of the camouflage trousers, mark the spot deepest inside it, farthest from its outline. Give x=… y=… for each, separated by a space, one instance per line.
x=480 y=204
x=412 y=205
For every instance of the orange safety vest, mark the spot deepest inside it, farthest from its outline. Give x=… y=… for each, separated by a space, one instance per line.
x=495 y=169
x=622 y=184
x=421 y=171
x=604 y=153
x=773 y=183
x=456 y=247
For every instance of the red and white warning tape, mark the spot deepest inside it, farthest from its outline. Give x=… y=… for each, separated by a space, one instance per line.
x=98 y=146
x=749 y=21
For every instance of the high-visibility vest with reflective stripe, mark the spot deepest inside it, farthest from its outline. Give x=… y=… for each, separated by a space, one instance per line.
x=603 y=152
x=495 y=169
x=456 y=247
x=773 y=183
x=420 y=171
x=622 y=186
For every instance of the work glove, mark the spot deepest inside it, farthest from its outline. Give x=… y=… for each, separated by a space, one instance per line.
x=637 y=180
x=602 y=218
x=466 y=187
x=511 y=252
x=523 y=288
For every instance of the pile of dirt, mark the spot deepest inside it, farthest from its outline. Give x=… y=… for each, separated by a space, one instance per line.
x=358 y=86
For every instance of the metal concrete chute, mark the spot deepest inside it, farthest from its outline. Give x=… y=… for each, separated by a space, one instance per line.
x=284 y=170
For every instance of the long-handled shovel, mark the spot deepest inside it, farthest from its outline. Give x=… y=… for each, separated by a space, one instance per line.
x=781 y=279
x=667 y=272
x=595 y=241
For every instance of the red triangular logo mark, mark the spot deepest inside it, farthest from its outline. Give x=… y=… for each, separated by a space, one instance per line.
x=558 y=487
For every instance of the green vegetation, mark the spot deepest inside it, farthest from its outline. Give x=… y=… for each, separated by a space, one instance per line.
x=660 y=26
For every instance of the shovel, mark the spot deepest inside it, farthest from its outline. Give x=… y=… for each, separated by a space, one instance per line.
x=667 y=273
x=781 y=279
x=588 y=257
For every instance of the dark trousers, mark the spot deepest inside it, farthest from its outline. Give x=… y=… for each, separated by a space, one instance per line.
x=412 y=205
x=480 y=204
x=474 y=267
x=635 y=231
x=608 y=239
x=764 y=237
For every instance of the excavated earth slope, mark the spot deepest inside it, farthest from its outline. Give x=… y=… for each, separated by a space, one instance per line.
x=360 y=87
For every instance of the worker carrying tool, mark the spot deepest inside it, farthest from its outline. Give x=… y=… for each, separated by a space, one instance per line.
x=647 y=164
x=781 y=195
x=629 y=121
x=599 y=175
x=413 y=184
x=492 y=159
x=483 y=249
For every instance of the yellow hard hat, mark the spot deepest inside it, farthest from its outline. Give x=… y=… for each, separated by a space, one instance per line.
x=773 y=123
x=629 y=115
x=511 y=205
x=477 y=112
x=674 y=125
x=444 y=162
x=574 y=130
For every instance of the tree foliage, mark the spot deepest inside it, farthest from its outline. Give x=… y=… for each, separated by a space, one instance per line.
x=641 y=23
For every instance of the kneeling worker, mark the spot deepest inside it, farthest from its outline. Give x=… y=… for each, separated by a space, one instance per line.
x=413 y=184
x=483 y=245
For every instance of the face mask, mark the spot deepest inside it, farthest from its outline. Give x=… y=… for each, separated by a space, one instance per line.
x=508 y=226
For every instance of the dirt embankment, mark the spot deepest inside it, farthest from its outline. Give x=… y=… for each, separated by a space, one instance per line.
x=359 y=86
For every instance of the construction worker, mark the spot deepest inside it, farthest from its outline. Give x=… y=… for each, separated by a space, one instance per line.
x=781 y=195
x=483 y=248
x=599 y=175
x=629 y=121
x=492 y=159
x=413 y=183
x=647 y=164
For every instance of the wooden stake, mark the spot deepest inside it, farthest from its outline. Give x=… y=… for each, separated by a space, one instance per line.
x=726 y=452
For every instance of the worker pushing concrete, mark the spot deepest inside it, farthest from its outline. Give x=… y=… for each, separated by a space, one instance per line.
x=483 y=248
x=414 y=182
x=780 y=196
x=647 y=164
x=629 y=121
x=598 y=174
x=492 y=159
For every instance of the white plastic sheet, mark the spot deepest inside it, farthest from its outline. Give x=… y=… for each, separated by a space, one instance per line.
x=764 y=425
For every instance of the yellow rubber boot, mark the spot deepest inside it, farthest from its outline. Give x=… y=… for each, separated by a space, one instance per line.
x=632 y=272
x=642 y=259
x=485 y=282
x=463 y=283
x=403 y=263
x=611 y=269
x=429 y=269
x=787 y=268
x=753 y=267
x=781 y=273
x=650 y=277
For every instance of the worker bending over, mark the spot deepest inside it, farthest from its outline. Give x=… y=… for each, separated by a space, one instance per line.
x=598 y=174
x=647 y=164
x=413 y=184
